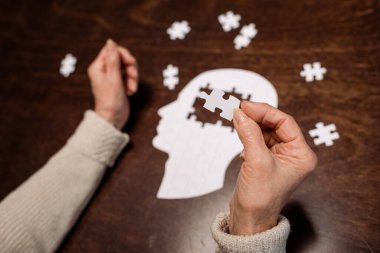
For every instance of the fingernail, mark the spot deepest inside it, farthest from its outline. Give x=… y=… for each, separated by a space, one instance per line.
x=109 y=42
x=108 y=45
x=111 y=45
x=239 y=115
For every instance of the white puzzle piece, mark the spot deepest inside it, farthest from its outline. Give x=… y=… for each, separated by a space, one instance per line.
x=68 y=65
x=216 y=100
x=170 y=75
x=199 y=155
x=247 y=33
x=178 y=30
x=229 y=21
x=324 y=134
x=313 y=72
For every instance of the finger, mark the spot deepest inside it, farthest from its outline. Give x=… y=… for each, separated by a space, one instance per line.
x=131 y=70
x=249 y=133
x=102 y=52
x=112 y=59
x=270 y=138
x=126 y=57
x=284 y=125
x=132 y=79
x=97 y=65
x=133 y=83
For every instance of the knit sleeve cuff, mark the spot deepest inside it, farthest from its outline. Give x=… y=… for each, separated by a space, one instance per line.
x=98 y=139
x=270 y=241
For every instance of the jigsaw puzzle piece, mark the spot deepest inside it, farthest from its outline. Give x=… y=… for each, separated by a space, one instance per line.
x=228 y=109
x=216 y=100
x=212 y=100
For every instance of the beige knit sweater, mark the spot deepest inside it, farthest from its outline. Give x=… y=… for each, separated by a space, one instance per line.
x=39 y=213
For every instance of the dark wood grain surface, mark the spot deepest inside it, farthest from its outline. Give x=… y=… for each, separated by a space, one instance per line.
x=335 y=210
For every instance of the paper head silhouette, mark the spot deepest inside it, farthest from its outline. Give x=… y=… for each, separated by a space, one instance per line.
x=199 y=153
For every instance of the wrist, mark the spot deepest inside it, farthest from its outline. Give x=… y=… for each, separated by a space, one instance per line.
x=251 y=222
x=110 y=118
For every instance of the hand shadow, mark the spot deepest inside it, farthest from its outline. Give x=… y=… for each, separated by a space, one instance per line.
x=138 y=103
x=302 y=231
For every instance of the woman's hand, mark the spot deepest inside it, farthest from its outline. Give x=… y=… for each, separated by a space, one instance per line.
x=276 y=160
x=114 y=77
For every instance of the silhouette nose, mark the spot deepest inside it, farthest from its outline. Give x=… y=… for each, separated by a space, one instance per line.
x=164 y=110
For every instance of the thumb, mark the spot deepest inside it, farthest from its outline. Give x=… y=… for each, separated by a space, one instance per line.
x=112 y=59
x=249 y=133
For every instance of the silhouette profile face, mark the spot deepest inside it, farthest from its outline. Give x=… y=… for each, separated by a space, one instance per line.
x=199 y=154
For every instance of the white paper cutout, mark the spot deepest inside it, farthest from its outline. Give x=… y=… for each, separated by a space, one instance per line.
x=68 y=65
x=313 y=72
x=178 y=30
x=199 y=156
x=229 y=21
x=216 y=100
x=247 y=33
x=325 y=134
x=170 y=75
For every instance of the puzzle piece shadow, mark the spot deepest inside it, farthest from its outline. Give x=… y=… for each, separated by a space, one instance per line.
x=139 y=102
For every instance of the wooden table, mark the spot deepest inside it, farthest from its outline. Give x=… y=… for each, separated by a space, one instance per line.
x=335 y=210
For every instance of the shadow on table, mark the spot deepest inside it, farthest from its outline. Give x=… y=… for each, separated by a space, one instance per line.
x=139 y=102
x=302 y=230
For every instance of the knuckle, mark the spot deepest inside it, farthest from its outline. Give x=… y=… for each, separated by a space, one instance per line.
x=290 y=117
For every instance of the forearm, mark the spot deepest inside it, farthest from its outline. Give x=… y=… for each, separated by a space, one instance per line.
x=37 y=215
